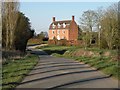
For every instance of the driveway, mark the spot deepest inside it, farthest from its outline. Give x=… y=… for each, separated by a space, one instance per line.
x=53 y=72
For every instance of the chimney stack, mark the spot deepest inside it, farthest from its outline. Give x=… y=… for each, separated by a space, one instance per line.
x=72 y=18
x=53 y=19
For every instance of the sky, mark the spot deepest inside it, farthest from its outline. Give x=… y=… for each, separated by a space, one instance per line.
x=41 y=13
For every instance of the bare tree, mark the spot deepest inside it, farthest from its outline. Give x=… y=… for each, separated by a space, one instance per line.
x=0 y=24
x=89 y=19
x=86 y=36
x=10 y=17
x=99 y=13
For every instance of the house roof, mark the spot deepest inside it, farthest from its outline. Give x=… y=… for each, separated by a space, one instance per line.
x=61 y=22
x=66 y=22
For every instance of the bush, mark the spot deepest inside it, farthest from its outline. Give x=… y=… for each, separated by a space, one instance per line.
x=64 y=42
x=34 y=41
x=51 y=42
x=11 y=55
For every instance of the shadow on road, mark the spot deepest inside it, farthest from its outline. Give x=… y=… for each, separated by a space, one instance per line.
x=79 y=81
x=38 y=52
x=57 y=70
x=58 y=75
x=57 y=66
x=51 y=63
x=49 y=52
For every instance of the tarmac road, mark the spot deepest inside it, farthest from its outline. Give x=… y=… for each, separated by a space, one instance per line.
x=53 y=72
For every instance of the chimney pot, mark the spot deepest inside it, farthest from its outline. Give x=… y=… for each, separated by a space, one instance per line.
x=72 y=18
x=53 y=19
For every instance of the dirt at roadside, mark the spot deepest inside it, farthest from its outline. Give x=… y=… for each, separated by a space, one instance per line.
x=88 y=53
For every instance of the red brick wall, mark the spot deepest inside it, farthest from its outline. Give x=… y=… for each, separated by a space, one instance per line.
x=73 y=35
x=61 y=34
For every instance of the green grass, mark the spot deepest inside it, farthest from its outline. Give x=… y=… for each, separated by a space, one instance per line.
x=14 y=71
x=55 y=49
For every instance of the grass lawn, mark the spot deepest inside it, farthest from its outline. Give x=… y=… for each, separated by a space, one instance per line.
x=14 y=71
x=103 y=63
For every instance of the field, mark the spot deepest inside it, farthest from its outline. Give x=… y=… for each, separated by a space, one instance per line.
x=102 y=59
x=15 y=70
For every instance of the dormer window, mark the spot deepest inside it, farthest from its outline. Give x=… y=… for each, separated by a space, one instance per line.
x=64 y=25
x=59 y=25
x=53 y=25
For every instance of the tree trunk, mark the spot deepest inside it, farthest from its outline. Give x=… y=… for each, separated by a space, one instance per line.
x=90 y=35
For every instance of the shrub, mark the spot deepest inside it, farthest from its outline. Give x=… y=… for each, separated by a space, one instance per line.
x=34 y=41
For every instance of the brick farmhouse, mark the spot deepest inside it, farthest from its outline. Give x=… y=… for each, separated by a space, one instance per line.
x=66 y=29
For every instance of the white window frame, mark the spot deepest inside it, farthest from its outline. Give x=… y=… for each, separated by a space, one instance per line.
x=58 y=32
x=53 y=31
x=63 y=37
x=58 y=37
x=53 y=37
x=63 y=31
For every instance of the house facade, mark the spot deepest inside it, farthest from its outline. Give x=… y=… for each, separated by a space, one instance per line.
x=66 y=29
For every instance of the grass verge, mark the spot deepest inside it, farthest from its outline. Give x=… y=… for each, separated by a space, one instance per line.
x=14 y=71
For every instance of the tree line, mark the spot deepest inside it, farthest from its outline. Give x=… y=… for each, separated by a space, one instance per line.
x=16 y=27
x=105 y=22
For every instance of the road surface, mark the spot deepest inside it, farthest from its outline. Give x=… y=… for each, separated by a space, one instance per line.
x=53 y=72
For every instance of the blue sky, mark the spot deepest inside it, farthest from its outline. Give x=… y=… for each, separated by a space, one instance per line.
x=41 y=13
